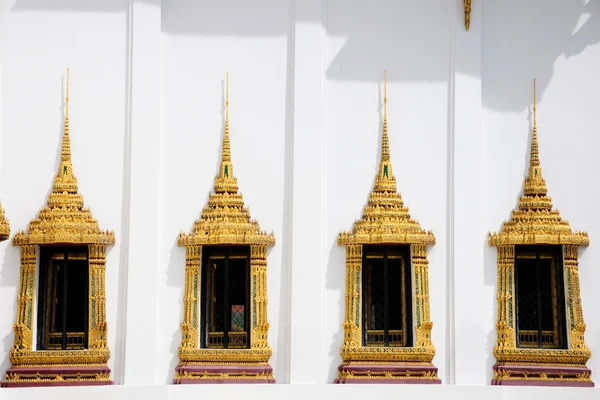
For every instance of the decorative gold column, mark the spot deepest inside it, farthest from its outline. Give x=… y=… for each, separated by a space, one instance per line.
x=421 y=296
x=574 y=310
x=97 y=307
x=352 y=321
x=506 y=306
x=225 y=221
x=386 y=221
x=191 y=297
x=25 y=311
x=63 y=222
x=536 y=223
x=258 y=267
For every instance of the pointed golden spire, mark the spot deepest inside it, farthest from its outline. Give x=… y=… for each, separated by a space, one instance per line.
x=226 y=150
x=386 y=219
x=225 y=219
x=225 y=182
x=66 y=144
x=64 y=219
x=534 y=158
x=385 y=181
x=65 y=181
x=535 y=221
x=534 y=184
x=385 y=141
x=67 y=97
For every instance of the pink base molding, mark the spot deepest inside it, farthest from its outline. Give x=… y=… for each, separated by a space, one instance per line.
x=196 y=374
x=530 y=375
x=379 y=372
x=46 y=376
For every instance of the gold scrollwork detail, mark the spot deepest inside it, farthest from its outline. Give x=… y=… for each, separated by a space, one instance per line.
x=205 y=375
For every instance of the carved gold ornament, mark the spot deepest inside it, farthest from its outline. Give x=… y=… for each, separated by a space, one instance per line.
x=467 y=6
x=4 y=225
x=386 y=220
x=63 y=221
x=225 y=221
x=535 y=222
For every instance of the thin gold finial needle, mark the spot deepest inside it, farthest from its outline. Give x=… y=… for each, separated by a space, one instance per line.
x=67 y=96
x=534 y=107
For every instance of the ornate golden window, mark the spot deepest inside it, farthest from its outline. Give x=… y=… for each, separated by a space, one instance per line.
x=224 y=328
x=387 y=305
x=540 y=321
x=63 y=299
x=226 y=297
x=539 y=297
x=71 y=334
x=387 y=326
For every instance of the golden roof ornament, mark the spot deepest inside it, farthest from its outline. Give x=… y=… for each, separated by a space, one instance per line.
x=467 y=7
x=4 y=225
x=385 y=218
x=64 y=219
x=225 y=219
x=534 y=221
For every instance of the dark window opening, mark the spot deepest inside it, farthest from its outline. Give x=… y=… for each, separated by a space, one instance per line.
x=62 y=320
x=226 y=297
x=387 y=296
x=540 y=304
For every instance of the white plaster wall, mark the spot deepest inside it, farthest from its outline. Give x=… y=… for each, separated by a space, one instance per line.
x=435 y=90
x=201 y=43
x=557 y=43
x=363 y=40
x=39 y=41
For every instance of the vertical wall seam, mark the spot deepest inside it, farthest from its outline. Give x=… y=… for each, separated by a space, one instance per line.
x=324 y=211
x=450 y=184
x=285 y=312
x=121 y=339
x=160 y=190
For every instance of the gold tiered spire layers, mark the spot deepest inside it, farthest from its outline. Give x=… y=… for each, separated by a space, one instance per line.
x=64 y=219
x=534 y=221
x=385 y=219
x=225 y=219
